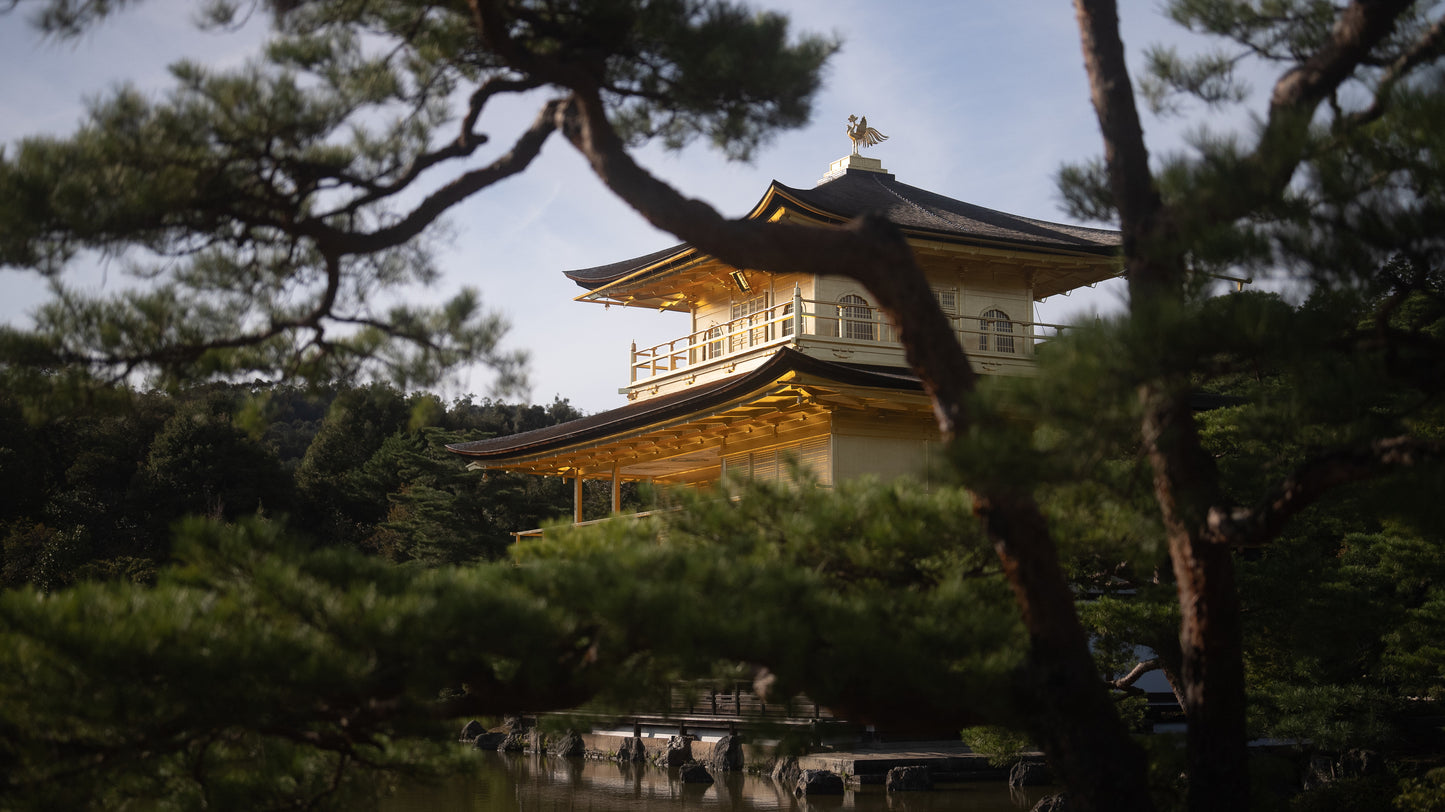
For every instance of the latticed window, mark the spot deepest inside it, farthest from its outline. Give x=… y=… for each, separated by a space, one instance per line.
x=996 y=332
x=856 y=319
x=787 y=323
x=947 y=299
x=714 y=342
x=744 y=314
x=773 y=465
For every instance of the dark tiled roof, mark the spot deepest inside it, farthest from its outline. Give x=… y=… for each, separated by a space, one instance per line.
x=652 y=411
x=857 y=192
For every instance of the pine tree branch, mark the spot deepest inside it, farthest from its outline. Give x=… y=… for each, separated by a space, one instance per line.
x=516 y=160
x=1428 y=47
x=466 y=142
x=1264 y=176
x=175 y=355
x=1361 y=26
x=1126 y=682
x=1317 y=477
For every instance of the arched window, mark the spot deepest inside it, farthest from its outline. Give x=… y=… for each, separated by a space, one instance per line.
x=855 y=319
x=995 y=332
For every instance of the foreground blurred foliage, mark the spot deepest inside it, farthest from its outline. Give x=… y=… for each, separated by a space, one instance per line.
x=260 y=672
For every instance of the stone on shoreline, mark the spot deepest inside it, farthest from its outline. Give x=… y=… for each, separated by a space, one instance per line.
x=678 y=752
x=632 y=750
x=785 y=771
x=1054 y=803
x=568 y=745
x=817 y=782
x=727 y=755
x=513 y=742
x=694 y=773
x=909 y=779
x=1028 y=774
x=489 y=741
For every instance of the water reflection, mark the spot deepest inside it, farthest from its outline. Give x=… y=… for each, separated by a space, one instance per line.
x=510 y=781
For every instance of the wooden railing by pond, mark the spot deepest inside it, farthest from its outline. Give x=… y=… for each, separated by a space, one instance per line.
x=539 y=532
x=800 y=320
x=738 y=701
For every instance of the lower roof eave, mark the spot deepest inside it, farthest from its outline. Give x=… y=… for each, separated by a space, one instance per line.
x=766 y=388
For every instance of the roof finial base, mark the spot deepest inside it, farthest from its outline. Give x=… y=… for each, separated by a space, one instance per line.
x=854 y=163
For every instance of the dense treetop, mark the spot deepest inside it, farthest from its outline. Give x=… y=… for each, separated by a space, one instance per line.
x=277 y=208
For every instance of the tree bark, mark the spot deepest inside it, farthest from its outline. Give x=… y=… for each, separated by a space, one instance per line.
x=1072 y=715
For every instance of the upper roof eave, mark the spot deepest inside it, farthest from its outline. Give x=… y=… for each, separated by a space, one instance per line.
x=602 y=276
x=918 y=212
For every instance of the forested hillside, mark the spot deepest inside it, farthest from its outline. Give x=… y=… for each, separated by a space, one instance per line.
x=93 y=493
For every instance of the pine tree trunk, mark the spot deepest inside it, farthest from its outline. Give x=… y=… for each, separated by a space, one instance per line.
x=1186 y=484
x=1213 y=679
x=1210 y=632
x=1071 y=711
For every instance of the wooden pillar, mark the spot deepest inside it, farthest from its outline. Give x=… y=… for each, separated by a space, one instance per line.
x=577 y=498
x=616 y=488
x=1030 y=331
x=798 y=312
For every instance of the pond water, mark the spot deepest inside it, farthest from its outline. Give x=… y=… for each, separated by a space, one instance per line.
x=506 y=781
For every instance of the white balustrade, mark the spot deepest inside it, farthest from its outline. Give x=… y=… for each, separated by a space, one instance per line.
x=800 y=321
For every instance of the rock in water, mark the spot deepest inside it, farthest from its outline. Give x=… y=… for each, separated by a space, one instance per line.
x=1054 y=803
x=727 y=755
x=678 y=753
x=632 y=750
x=489 y=741
x=909 y=779
x=694 y=773
x=569 y=745
x=818 y=782
x=514 y=742
x=785 y=771
x=1028 y=774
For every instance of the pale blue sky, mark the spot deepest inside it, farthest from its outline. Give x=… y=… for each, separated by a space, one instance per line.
x=982 y=100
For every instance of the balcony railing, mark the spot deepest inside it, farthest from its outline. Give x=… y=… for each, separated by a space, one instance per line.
x=798 y=320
